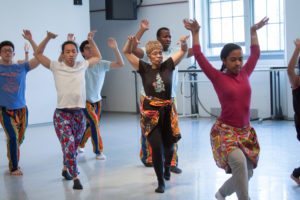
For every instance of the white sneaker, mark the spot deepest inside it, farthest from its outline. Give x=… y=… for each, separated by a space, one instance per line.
x=80 y=150
x=219 y=196
x=100 y=156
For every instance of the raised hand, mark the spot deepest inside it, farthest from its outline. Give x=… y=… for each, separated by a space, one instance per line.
x=184 y=38
x=27 y=35
x=260 y=24
x=91 y=35
x=71 y=37
x=145 y=24
x=51 y=35
x=191 y=25
x=297 y=43
x=112 y=43
x=26 y=47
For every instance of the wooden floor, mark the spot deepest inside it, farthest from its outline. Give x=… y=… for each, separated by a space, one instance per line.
x=122 y=176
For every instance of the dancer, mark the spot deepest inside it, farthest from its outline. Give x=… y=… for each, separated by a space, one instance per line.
x=295 y=84
x=234 y=142
x=163 y=35
x=69 y=119
x=13 y=109
x=94 y=78
x=158 y=114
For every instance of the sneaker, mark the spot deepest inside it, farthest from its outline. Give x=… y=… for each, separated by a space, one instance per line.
x=219 y=196
x=175 y=170
x=80 y=150
x=100 y=156
x=297 y=180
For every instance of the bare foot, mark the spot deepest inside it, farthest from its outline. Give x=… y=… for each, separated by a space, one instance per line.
x=17 y=172
x=297 y=180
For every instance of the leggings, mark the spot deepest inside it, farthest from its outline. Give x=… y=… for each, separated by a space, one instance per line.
x=162 y=147
x=14 y=123
x=93 y=116
x=146 y=152
x=242 y=171
x=69 y=126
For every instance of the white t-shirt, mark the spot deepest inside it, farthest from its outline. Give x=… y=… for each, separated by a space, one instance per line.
x=166 y=55
x=70 y=84
x=94 y=79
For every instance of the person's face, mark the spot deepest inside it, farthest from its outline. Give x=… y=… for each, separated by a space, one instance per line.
x=234 y=61
x=7 y=54
x=69 y=54
x=87 y=52
x=165 y=39
x=156 y=57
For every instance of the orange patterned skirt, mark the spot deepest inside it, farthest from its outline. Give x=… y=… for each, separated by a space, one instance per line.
x=225 y=138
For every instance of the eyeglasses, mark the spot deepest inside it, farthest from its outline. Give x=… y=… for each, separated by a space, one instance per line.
x=7 y=50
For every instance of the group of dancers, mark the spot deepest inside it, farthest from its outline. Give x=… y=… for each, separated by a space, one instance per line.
x=78 y=84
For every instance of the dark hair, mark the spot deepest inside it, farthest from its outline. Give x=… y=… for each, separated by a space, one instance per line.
x=226 y=51
x=160 y=30
x=68 y=42
x=7 y=43
x=82 y=45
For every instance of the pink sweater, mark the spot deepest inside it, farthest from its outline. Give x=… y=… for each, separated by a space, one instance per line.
x=234 y=91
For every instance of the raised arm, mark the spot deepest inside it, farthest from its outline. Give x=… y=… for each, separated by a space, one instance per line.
x=255 y=27
x=144 y=26
x=254 y=49
x=39 y=52
x=294 y=79
x=26 y=51
x=127 y=50
x=96 y=55
x=119 y=62
x=33 y=63
x=204 y=64
x=177 y=57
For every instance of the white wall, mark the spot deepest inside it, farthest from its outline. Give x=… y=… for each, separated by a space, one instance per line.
x=58 y=16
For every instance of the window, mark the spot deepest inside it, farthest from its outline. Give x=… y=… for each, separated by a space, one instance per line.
x=230 y=20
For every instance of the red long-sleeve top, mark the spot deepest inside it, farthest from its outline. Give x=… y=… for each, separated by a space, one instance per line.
x=234 y=91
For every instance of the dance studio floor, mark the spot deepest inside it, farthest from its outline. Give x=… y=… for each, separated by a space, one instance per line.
x=122 y=176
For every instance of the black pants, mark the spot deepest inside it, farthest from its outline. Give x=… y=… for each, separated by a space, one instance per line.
x=296 y=172
x=162 y=146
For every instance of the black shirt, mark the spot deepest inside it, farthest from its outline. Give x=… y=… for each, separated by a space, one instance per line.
x=157 y=82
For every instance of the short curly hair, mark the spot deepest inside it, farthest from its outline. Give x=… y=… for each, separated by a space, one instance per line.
x=153 y=45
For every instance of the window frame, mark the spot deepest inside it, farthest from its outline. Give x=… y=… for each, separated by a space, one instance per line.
x=249 y=16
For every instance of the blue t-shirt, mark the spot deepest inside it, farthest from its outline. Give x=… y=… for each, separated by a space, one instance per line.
x=94 y=79
x=12 y=85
